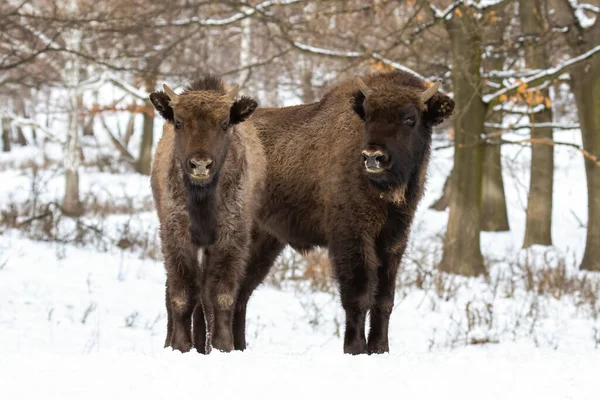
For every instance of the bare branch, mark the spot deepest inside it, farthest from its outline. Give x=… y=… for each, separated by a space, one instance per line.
x=540 y=78
x=549 y=142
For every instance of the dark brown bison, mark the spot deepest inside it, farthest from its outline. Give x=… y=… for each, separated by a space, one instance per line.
x=347 y=173
x=207 y=171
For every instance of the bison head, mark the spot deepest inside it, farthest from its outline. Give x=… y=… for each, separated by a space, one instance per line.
x=202 y=121
x=398 y=121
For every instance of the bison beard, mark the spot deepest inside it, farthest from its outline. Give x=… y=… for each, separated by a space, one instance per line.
x=202 y=205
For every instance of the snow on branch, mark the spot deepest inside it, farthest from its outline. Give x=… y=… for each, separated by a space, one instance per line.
x=539 y=78
x=579 y=13
x=354 y=54
x=481 y=5
x=550 y=142
x=327 y=52
x=140 y=94
x=17 y=120
x=518 y=127
x=247 y=12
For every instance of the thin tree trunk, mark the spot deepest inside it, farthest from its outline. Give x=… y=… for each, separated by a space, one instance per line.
x=538 y=226
x=444 y=201
x=308 y=92
x=245 y=50
x=6 y=135
x=88 y=127
x=462 y=252
x=129 y=130
x=20 y=109
x=494 y=214
x=144 y=163
x=71 y=204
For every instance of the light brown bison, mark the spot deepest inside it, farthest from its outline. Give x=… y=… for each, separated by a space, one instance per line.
x=207 y=170
x=347 y=173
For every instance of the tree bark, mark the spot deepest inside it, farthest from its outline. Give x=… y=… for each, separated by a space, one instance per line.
x=245 y=50
x=20 y=109
x=6 y=135
x=129 y=130
x=586 y=87
x=444 y=201
x=144 y=162
x=585 y=83
x=462 y=252
x=494 y=214
x=71 y=204
x=538 y=226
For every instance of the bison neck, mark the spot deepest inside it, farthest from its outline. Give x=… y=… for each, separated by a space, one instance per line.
x=202 y=206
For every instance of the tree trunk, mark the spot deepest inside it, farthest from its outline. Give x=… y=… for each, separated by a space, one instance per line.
x=586 y=88
x=444 y=201
x=245 y=51
x=88 y=126
x=494 y=215
x=129 y=130
x=308 y=93
x=144 y=163
x=538 y=226
x=462 y=252
x=6 y=135
x=20 y=109
x=71 y=204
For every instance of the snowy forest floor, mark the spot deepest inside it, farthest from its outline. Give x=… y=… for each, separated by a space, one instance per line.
x=82 y=310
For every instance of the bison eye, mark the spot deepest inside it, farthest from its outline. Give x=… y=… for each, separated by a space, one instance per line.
x=225 y=125
x=178 y=125
x=409 y=121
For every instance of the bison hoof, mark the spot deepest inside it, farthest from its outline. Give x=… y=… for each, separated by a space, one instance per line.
x=379 y=348
x=355 y=348
x=182 y=347
x=222 y=345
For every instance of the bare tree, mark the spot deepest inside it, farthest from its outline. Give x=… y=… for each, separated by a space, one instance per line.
x=538 y=226
x=583 y=36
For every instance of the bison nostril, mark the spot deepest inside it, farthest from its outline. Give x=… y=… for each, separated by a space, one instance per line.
x=202 y=163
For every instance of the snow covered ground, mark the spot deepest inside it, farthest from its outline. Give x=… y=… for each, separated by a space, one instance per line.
x=88 y=320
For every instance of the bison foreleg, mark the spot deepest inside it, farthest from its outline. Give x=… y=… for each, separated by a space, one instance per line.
x=357 y=288
x=384 y=303
x=181 y=298
x=221 y=278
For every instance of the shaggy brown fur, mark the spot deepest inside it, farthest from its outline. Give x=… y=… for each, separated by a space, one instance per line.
x=205 y=219
x=318 y=192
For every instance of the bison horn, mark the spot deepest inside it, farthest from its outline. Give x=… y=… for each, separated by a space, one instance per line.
x=430 y=91
x=234 y=91
x=362 y=86
x=172 y=95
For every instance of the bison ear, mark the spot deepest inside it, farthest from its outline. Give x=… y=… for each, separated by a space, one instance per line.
x=439 y=108
x=160 y=101
x=358 y=101
x=242 y=109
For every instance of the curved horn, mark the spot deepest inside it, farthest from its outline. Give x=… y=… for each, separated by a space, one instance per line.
x=430 y=91
x=172 y=95
x=234 y=91
x=362 y=86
